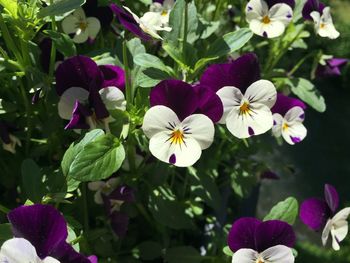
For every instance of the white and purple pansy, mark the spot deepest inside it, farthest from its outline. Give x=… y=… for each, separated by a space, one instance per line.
x=330 y=67
x=320 y=214
x=163 y=8
x=246 y=98
x=81 y=27
x=254 y=241
x=40 y=234
x=288 y=118
x=269 y=18
x=180 y=122
x=87 y=92
x=321 y=16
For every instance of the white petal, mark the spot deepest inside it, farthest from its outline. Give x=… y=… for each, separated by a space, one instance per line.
x=182 y=155
x=258 y=121
x=256 y=9
x=277 y=124
x=156 y=7
x=50 y=260
x=98 y=198
x=278 y=254
x=245 y=255
x=262 y=91
x=67 y=101
x=70 y=24
x=281 y=12
x=270 y=30
x=324 y=24
x=341 y=215
x=326 y=231
x=339 y=228
x=168 y=4
x=93 y=27
x=295 y=114
x=95 y=186
x=113 y=98
x=157 y=119
x=201 y=128
x=294 y=132
x=81 y=36
x=137 y=19
x=18 y=250
x=231 y=97
x=79 y=14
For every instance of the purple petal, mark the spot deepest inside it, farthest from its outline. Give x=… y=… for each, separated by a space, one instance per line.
x=271 y=3
x=4 y=133
x=65 y=253
x=310 y=6
x=240 y=73
x=332 y=68
x=36 y=96
x=78 y=120
x=285 y=103
x=337 y=62
x=121 y=193
x=172 y=158
x=98 y=105
x=113 y=76
x=126 y=19
x=119 y=223
x=45 y=48
x=42 y=225
x=314 y=213
x=269 y=175
x=78 y=71
x=177 y=95
x=93 y=259
x=272 y=233
x=209 y=103
x=103 y=13
x=242 y=233
x=331 y=197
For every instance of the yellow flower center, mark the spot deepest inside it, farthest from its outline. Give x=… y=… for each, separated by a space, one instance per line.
x=266 y=20
x=285 y=126
x=260 y=260
x=177 y=137
x=82 y=25
x=322 y=25
x=164 y=13
x=244 y=108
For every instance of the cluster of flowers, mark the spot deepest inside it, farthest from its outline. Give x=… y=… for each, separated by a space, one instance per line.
x=273 y=240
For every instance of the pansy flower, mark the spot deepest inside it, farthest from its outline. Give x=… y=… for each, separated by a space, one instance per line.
x=255 y=241
x=269 y=18
x=321 y=15
x=103 y=187
x=177 y=124
x=320 y=214
x=163 y=8
x=83 y=28
x=330 y=67
x=88 y=91
x=246 y=98
x=103 y=13
x=9 y=141
x=40 y=234
x=288 y=118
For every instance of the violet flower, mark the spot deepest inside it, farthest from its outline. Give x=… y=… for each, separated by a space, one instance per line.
x=255 y=241
x=321 y=16
x=40 y=234
x=103 y=13
x=320 y=214
x=269 y=18
x=88 y=91
x=331 y=67
x=288 y=117
x=180 y=121
x=246 y=98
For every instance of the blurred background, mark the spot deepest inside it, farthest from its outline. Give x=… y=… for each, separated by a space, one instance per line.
x=324 y=156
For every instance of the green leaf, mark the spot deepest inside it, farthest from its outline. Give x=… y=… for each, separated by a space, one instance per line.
x=184 y=254
x=32 y=181
x=60 y=7
x=149 y=61
x=150 y=250
x=286 y=210
x=227 y=251
x=135 y=47
x=11 y=6
x=192 y=30
x=176 y=21
x=308 y=93
x=98 y=159
x=5 y=232
x=170 y=213
x=63 y=42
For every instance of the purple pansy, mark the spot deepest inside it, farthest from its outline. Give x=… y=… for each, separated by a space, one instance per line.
x=45 y=47
x=40 y=234
x=331 y=68
x=246 y=98
x=103 y=13
x=310 y=6
x=285 y=103
x=88 y=91
x=271 y=3
x=253 y=240
x=320 y=214
x=128 y=22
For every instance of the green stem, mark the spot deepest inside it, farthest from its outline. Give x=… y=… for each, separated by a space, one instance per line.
x=85 y=207
x=28 y=116
x=4 y=209
x=8 y=39
x=128 y=86
x=301 y=62
x=53 y=50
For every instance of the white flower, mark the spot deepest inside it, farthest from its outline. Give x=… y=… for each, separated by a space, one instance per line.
x=81 y=26
x=163 y=9
x=324 y=24
x=290 y=127
x=151 y=23
x=267 y=22
x=20 y=250
x=337 y=227
x=174 y=141
x=276 y=254
x=249 y=114
x=102 y=187
x=11 y=147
